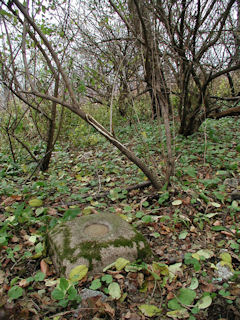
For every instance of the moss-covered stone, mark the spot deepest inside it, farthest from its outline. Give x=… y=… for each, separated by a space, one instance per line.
x=71 y=244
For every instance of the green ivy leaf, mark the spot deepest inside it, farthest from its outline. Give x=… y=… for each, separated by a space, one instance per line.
x=173 y=304
x=96 y=284
x=39 y=276
x=57 y=294
x=15 y=292
x=107 y=278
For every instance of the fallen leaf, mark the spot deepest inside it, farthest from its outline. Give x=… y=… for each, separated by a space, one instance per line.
x=10 y=200
x=2 y=276
x=78 y=273
x=177 y=202
x=24 y=283
x=194 y=284
x=204 y=302
x=206 y=253
x=149 y=310
x=35 y=202
x=121 y=263
x=208 y=287
x=215 y=204
x=44 y=267
x=114 y=290
x=226 y=257
x=178 y=314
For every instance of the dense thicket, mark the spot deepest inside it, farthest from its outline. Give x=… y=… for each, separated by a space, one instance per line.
x=164 y=60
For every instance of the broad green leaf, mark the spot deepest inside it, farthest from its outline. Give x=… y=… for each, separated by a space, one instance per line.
x=186 y=296
x=39 y=276
x=226 y=257
x=114 y=290
x=178 y=314
x=107 y=278
x=149 y=310
x=183 y=235
x=57 y=294
x=96 y=284
x=72 y=293
x=204 y=302
x=174 y=304
x=15 y=292
x=78 y=273
x=63 y=303
x=147 y=219
x=35 y=202
x=194 y=284
x=177 y=202
x=63 y=284
x=121 y=263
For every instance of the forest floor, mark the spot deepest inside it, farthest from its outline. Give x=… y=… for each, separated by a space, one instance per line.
x=192 y=227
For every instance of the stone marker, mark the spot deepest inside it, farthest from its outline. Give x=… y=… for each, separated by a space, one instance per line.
x=96 y=241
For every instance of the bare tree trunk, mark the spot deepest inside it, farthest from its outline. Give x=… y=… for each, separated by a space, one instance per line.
x=51 y=129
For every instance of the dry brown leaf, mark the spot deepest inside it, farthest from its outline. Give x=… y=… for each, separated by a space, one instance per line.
x=10 y=200
x=23 y=283
x=44 y=267
x=208 y=287
x=14 y=239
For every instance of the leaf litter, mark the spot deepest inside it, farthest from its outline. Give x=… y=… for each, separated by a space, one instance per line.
x=192 y=229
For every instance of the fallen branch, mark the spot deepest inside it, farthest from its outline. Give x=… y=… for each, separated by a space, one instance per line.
x=226 y=98
x=227 y=113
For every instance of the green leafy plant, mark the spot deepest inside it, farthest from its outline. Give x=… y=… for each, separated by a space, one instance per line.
x=65 y=292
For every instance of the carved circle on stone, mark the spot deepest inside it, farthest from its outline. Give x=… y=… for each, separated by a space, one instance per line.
x=96 y=229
